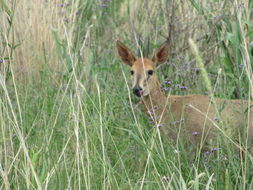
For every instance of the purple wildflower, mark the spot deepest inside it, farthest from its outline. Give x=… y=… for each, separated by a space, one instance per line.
x=183 y=87
x=176 y=122
x=159 y=125
x=214 y=149
x=150 y=112
x=207 y=153
x=195 y=69
x=172 y=123
x=216 y=18
x=195 y=133
x=217 y=119
x=167 y=82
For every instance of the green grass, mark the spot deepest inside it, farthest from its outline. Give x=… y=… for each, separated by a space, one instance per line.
x=68 y=119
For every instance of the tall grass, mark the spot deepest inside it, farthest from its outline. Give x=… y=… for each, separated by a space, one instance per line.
x=67 y=116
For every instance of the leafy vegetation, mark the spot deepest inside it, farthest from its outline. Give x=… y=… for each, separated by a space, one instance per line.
x=67 y=116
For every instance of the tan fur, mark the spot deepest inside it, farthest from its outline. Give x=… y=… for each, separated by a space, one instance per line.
x=194 y=118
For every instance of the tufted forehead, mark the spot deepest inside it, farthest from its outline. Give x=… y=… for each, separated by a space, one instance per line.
x=140 y=63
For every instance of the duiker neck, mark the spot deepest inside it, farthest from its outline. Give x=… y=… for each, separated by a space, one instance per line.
x=156 y=98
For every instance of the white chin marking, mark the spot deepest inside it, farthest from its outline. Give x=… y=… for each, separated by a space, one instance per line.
x=145 y=94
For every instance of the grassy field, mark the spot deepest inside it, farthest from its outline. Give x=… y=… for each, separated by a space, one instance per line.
x=68 y=119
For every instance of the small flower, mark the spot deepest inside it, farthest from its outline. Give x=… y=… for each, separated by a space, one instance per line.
x=207 y=153
x=151 y=112
x=216 y=17
x=195 y=133
x=159 y=125
x=217 y=119
x=176 y=122
x=167 y=82
x=181 y=57
x=183 y=87
x=195 y=69
x=172 y=123
x=214 y=149
x=1 y=60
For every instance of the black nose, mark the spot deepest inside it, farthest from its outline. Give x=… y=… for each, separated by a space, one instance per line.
x=138 y=91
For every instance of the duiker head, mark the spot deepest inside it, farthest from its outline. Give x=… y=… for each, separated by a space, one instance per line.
x=143 y=70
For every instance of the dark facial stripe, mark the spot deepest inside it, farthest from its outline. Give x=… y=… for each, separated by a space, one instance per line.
x=148 y=77
x=138 y=79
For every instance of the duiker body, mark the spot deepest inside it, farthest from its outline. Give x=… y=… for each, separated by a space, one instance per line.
x=195 y=119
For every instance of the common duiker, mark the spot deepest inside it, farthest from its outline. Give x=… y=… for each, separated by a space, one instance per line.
x=195 y=119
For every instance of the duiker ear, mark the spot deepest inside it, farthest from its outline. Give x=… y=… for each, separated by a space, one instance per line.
x=161 y=54
x=126 y=56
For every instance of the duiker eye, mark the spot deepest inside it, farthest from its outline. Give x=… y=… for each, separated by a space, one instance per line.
x=150 y=72
x=132 y=72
